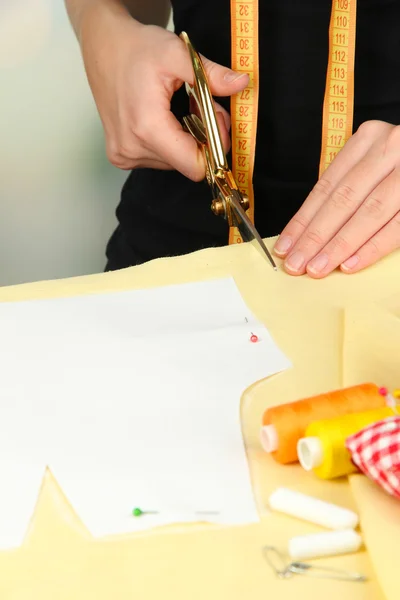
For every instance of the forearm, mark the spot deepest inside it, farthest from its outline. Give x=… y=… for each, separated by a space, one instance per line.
x=155 y=12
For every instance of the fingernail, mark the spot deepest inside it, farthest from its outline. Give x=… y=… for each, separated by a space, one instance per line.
x=283 y=245
x=318 y=264
x=233 y=76
x=350 y=263
x=295 y=262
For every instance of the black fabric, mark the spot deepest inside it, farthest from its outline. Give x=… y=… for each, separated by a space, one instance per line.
x=161 y=213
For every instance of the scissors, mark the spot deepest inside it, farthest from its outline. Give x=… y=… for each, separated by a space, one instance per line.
x=228 y=202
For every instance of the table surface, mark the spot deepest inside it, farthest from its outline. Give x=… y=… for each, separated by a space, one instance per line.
x=338 y=331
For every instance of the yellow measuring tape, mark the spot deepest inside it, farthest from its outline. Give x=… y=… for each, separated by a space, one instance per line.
x=337 y=121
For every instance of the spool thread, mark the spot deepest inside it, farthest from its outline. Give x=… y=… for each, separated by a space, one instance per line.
x=331 y=435
x=291 y=420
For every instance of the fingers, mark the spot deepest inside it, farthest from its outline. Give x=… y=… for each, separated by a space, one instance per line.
x=133 y=84
x=223 y=81
x=224 y=124
x=145 y=131
x=225 y=115
x=344 y=218
x=384 y=242
x=174 y=146
x=166 y=138
x=377 y=210
x=354 y=173
x=170 y=147
x=178 y=148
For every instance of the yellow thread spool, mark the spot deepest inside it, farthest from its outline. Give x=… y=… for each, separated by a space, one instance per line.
x=323 y=449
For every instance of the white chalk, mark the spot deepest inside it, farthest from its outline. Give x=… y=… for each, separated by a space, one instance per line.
x=312 y=509
x=318 y=545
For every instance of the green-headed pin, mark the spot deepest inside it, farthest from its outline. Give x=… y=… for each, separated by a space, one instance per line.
x=138 y=512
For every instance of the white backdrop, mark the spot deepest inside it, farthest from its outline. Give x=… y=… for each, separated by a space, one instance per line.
x=58 y=193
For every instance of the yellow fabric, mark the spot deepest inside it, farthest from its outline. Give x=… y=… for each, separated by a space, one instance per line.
x=337 y=331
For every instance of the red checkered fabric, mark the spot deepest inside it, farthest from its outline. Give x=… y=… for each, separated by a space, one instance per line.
x=375 y=450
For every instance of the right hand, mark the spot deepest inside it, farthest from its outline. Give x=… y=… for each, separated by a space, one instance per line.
x=133 y=71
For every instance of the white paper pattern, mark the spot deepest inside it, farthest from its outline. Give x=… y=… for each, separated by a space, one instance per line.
x=132 y=399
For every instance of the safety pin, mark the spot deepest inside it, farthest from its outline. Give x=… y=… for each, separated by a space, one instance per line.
x=286 y=570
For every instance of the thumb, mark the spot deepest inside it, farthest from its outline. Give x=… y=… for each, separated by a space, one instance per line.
x=223 y=81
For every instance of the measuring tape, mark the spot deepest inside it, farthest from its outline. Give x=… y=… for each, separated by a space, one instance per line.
x=337 y=123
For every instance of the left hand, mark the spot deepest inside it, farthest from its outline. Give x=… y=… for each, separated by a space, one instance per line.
x=351 y=218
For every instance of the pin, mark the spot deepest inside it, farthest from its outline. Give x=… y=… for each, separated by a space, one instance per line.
x=286 y=570
x=253 y=338
x=391 y=399
x=138 y=512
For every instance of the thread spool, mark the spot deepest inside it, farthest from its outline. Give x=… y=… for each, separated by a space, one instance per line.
x=284 y=425
x=313 y=510
x=323 y=448
x=318 y=545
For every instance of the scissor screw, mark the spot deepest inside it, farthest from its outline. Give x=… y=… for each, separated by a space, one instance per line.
x=245 y=202
x=218 y=208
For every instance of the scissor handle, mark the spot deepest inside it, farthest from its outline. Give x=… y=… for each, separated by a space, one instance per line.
x=202 y=95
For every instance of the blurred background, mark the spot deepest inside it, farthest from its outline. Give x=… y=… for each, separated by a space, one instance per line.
x=58 y=193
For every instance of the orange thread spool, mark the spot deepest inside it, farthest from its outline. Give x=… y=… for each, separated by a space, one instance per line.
x=290 y=421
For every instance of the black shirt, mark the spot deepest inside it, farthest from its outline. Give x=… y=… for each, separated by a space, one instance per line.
x=162 y=213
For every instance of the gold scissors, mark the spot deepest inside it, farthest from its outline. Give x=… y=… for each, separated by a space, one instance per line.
x=228 y=202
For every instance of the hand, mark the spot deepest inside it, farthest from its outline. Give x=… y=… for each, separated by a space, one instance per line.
x=133 y=71
x=351 y=218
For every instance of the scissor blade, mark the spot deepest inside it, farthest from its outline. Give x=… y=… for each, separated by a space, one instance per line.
x=247 y=230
